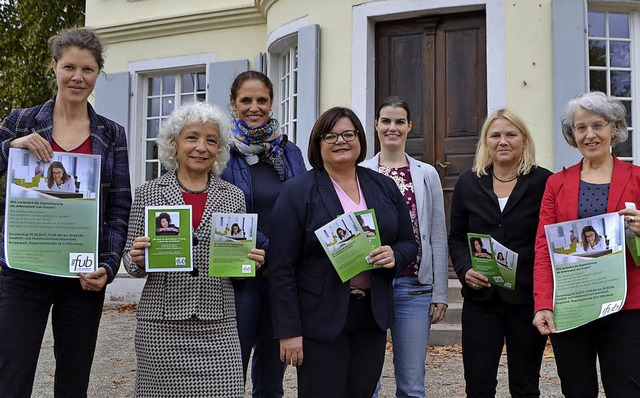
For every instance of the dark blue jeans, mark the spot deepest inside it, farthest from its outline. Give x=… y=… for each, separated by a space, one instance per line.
x=256 y=332
x=25 y=301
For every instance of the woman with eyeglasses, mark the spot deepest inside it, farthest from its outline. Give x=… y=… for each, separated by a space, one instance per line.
x=58 y=179
x=333 y=331
x=600 y=183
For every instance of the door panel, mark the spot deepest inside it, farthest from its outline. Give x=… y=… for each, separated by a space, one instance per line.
x=438 y=65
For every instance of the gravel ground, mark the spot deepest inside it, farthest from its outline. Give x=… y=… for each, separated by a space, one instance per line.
x=113 y=372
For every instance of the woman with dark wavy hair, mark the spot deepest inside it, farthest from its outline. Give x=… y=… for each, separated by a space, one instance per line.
x=58 y=179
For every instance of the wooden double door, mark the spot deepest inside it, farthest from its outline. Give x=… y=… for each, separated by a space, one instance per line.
x=438 y=63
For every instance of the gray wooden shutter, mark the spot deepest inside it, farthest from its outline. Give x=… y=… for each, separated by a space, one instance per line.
x=112 y=98
x=219 y=79
x=308 y=82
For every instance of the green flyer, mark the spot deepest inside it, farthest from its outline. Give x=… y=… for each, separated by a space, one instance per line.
x=348 y=247
x=169 y=229
x=369 y=224
x=589 y=269
x=52 y=213
x=493 y=260
x=233 y=236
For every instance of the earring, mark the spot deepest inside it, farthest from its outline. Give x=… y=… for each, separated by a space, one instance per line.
x=271 y=114
x=234 y=114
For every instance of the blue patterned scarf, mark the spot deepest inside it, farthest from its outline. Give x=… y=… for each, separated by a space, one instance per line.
x=260 y=143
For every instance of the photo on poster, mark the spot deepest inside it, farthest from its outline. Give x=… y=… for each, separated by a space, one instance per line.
x=339 y=233
x=66 y=176
x=503 y=256
x=234 y=227
x=586 y=238
x=167 y=223
x=481 y=247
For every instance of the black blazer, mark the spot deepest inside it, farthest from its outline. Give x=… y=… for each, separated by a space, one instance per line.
x=307 y=296
x=475 y=208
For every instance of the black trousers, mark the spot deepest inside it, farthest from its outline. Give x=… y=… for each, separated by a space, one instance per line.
x=486 y=327
x=615 y=341
x=350 y=365
x=25 y=301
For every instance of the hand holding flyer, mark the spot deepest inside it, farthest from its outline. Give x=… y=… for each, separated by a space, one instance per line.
x=493 y=260
x=347 y=245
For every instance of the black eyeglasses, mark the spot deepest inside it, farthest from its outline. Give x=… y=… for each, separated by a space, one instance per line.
x=332 y=138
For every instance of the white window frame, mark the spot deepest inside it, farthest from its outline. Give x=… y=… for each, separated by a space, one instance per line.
x=139 y=72
x=634 y=37
x=286 y=89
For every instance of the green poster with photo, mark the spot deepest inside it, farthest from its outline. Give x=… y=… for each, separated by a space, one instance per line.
x=52 y=213
x=169 y=229
x=493 y=260
x=590 y=278
x=233 y=236
x=347 y=245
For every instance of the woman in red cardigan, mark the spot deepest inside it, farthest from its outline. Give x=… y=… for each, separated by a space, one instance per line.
x=593 y=123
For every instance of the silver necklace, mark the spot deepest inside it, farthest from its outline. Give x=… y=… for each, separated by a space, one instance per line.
x=206 y=187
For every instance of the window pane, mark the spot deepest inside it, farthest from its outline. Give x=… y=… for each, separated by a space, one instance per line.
x=598 y=80
x=620 y=83
x=201 y=97
x=152 y=150
x=186 y=98
x=627 y=106
x=597 y=52
x=188 y=83
x=152 y=128
x=151 y=170
x=153 y=105
x=154 y=86
x=620 y=53
x=623 y=149
x=596 y=24
x=618 y=25
x=202 y=81
x=167 y=105
x=168 y=84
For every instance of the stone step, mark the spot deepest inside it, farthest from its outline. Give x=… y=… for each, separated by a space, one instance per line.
x=124 y=289
x=445 y=334
x=449 y=330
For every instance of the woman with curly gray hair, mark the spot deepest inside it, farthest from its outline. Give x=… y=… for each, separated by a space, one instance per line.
x=599 y=184
x=180 y=311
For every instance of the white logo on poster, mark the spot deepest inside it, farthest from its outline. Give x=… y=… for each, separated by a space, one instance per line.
x=181 y=261
x=81 y=262
x=246 y=268
x=610 y=308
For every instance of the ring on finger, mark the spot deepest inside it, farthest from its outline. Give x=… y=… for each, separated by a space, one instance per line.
x=632 y=219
